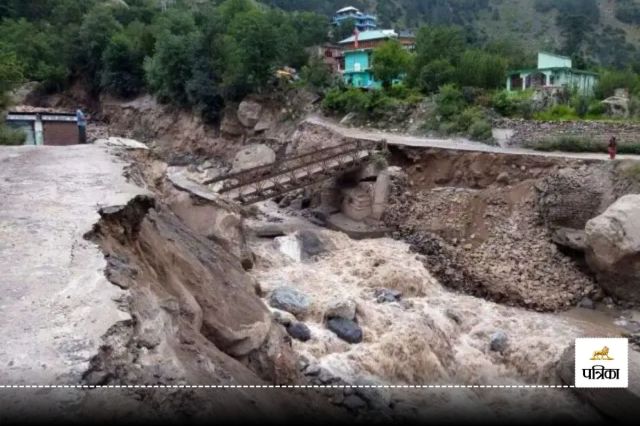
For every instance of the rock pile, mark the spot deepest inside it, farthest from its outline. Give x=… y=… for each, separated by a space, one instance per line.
x=483 y=243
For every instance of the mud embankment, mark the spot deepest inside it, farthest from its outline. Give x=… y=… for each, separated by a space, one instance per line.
x=196 y=320
x=476 y=218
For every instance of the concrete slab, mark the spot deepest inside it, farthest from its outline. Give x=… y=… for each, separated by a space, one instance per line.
x=355 y=229
x=55 y=303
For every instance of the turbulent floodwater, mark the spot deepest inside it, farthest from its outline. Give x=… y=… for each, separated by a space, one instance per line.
x=432 y=337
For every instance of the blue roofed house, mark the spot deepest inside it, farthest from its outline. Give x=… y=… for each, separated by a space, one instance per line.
x=554 y=71
x=363 y=21
x=358 y=53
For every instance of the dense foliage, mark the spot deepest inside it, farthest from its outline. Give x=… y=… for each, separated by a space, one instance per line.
x=200 y=54
x=192 y=54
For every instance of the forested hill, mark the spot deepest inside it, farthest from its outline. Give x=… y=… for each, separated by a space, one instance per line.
x=603 y=31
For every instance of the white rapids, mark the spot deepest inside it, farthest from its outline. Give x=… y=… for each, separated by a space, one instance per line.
x=432 y=337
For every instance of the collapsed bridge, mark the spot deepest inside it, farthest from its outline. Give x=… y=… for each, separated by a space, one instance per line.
x=295 y=172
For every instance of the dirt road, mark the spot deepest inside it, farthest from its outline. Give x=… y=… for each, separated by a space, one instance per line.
x=458 y=144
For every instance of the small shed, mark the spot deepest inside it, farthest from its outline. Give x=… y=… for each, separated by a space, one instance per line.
x=46 y=128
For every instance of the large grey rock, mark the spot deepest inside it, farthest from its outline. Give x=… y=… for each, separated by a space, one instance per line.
x=269 y=230
x=341 y=308
x=253 y=156
x=617 y=106
x=230 y=125
x=586 y=303
x=249 y=113
x=290 y=300
x=613 y=248
x=311 y=244
x=570 y=238
x=619 y=404
x=354 y=403
x=498 y=341
x=290 y=246
x=347 y=330
x=282 y=317
x=265 y=122
x=299 y=331
x=385 y=295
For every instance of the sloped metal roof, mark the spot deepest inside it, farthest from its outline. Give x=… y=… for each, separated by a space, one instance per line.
x=371 y=35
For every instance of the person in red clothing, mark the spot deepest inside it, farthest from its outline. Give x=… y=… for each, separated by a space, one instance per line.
x=613 y=147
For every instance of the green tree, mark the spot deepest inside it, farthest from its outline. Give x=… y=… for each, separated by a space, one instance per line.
x=344 y=30
x=41 y=50
x=95 y=33
x=610 y=80
x=449 y=102
x=437 y=42
x=316 y=73
x=435 y=74
x=481 y=69
x=311 y=28
x=170 y=68
x=390 y=61
x=122 y=73
x=253 y=51
x=11 y=74
x=513 y=51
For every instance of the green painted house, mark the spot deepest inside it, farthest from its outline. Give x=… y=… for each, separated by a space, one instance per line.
x=554 y=71
x=358 y=53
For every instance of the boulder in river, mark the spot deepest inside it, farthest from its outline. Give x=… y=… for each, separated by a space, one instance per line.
x=341 y=308
x=290 y=300
x=269 y=230
x=299 y=331
x=310 y=243
x=385 y=295
x=347 y=330
x=290 y=246
x=282 y=317
x=618 y=404
x=498 y=341
x=586 y=303
x=613 y=248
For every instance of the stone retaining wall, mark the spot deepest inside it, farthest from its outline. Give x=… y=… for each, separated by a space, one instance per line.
x=528 y=131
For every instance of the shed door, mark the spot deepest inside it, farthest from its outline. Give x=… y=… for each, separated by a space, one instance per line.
x=60 y=133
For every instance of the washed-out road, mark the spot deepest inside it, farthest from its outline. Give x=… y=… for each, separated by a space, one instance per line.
x=456 y=144
x=55 y=302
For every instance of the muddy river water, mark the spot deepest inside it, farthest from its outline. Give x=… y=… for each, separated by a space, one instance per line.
x=433 y=336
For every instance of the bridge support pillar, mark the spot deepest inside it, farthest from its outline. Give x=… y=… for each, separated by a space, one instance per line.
x=380 y=195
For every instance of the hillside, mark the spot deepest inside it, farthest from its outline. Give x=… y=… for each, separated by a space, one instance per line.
x=601 y=31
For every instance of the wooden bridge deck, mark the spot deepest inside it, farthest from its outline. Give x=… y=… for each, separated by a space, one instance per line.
x=293 y=172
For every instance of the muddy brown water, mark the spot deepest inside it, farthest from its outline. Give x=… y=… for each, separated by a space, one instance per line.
x=434 y=336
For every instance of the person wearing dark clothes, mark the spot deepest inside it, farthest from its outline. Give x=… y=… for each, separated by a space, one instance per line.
x=82 y=126
x=613 y=147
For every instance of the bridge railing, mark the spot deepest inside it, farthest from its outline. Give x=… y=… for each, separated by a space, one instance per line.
x=289 y=166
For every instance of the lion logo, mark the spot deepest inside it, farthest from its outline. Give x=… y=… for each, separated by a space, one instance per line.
x=602 y=355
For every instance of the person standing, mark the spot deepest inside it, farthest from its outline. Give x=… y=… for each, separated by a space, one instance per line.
x=82 y=126
x=613 y=147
